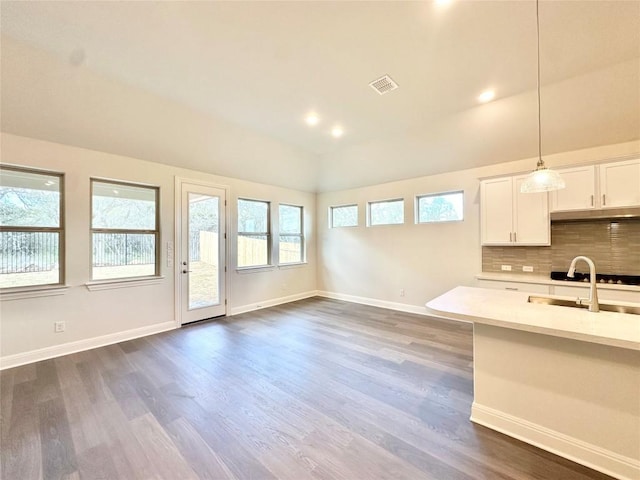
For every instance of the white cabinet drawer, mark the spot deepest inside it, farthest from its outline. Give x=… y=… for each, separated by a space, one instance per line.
x=514 y=286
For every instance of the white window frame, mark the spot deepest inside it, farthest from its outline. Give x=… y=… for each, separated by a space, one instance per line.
x=255 y=234
x=431 y=195
x=303 y=249
x=334 y=207
x=390 y=200
x=155 y=232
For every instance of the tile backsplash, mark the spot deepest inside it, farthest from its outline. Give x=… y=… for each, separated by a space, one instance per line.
x=614 y=246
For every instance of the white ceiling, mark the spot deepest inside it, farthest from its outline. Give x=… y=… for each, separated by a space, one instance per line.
x=238 y=69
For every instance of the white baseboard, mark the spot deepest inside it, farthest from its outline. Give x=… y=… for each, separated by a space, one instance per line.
x=272 y=302
x=10 y=361
x=373 y=302
x=592 y=456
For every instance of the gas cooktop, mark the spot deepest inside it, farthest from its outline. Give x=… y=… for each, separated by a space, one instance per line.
x=600 y=278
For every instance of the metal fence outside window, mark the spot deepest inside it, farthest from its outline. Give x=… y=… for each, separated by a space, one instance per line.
x=117 y=249
x=22 y=252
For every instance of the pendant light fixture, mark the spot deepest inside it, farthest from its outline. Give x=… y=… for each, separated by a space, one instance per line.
x=541 y=179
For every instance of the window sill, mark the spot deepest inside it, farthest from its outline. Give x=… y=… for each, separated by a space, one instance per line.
x=285 y=266
x=261 y=268
x=437 y=222
x=97 y=285
x=33 y=292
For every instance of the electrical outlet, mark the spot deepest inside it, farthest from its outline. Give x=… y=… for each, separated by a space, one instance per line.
x=402 y=292
x=505 y=268
x=527 y=268
x=58 y=327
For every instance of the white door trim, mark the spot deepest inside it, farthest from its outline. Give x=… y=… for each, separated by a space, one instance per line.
x=177 y=195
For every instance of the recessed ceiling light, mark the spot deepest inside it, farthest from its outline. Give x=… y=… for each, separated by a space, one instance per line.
x=486 y=96
x=312 y=119
x=337 y=131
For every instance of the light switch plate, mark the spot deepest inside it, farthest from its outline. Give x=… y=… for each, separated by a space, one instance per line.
x=169 y=254
x=505 y=268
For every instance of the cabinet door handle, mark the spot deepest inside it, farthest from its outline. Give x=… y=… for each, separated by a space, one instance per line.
x=511 y=288
x=511 y=236
x=592 y=200
x=604 y=199
x=515 y=237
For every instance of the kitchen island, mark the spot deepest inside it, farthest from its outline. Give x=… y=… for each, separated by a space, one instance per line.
x=564 y=379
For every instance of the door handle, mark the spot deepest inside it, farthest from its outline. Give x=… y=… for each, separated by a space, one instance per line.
x=186 y=271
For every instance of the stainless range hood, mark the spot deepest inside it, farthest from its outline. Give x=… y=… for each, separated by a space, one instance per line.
x=622 y=213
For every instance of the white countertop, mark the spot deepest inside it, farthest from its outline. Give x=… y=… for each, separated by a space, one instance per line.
x=545 y=280
x=510 y=309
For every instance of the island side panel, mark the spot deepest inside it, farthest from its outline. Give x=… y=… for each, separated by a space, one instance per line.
x=578 y=399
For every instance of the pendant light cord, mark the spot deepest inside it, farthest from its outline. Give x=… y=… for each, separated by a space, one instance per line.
x=540 y=161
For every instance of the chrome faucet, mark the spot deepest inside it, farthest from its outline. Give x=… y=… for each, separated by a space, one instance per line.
x=592 y=301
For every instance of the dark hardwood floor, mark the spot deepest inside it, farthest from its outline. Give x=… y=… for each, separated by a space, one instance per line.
x=316 y=389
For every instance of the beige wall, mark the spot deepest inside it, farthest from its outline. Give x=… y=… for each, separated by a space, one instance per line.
x=373 y=264
x=27 y=324
x=358 y=263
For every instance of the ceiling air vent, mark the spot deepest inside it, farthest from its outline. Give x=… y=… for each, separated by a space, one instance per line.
x=383 y=85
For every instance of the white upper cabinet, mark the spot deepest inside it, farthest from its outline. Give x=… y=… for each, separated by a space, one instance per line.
x=620 y=184
x=496 y=202
x=509 y=217
x=608 y=185
x=531 y=221
x=580 y=191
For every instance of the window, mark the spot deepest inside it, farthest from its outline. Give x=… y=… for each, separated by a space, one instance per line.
x=386 y=212
x=440 y=207
x=31 y=228
x=344 y=216
x=253 y=233
x=291 y=238
x=124 y=230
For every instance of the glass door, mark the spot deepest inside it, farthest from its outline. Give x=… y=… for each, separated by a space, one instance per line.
x=202 y=255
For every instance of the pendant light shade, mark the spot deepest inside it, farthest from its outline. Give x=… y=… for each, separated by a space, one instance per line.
x=541 y=179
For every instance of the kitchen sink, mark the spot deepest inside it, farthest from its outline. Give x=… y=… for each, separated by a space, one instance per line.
x=608 y=307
